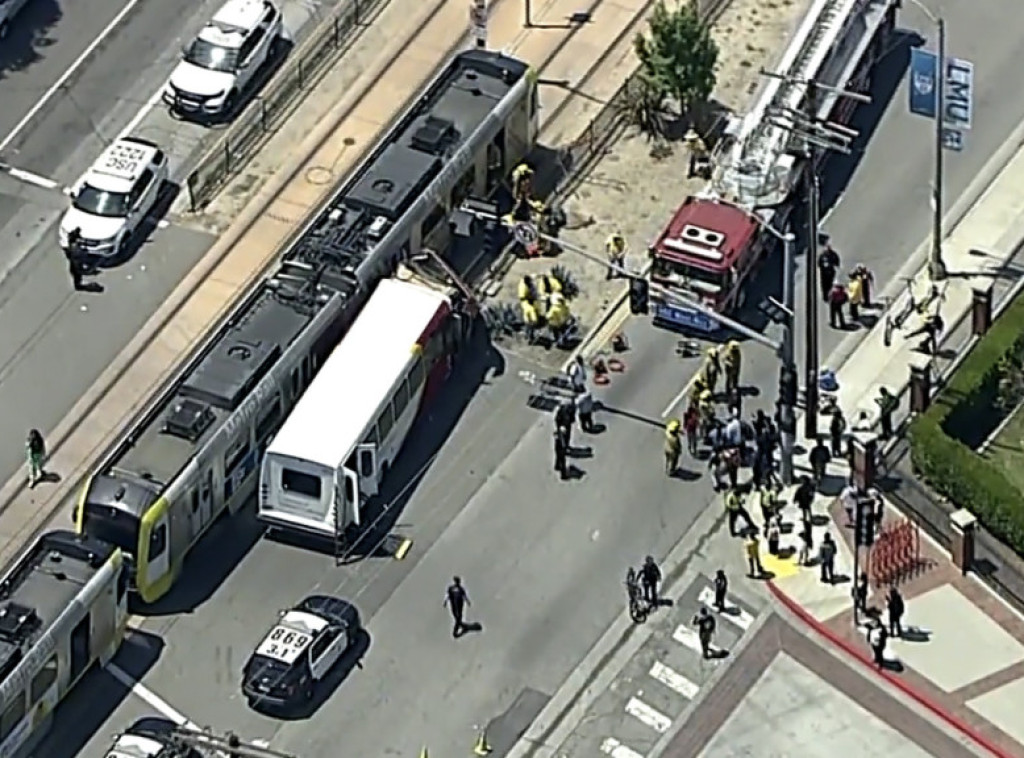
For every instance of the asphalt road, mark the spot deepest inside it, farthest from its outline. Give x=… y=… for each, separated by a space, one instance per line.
x=543 y=561
x=55 y=343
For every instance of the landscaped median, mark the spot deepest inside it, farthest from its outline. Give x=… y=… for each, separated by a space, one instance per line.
x=946 y=439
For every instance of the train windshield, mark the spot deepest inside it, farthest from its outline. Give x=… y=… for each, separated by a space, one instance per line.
x=112 y=525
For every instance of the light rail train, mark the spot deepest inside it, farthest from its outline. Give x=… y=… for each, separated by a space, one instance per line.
x=193 y=454
x=338 y=443
x=63 y=607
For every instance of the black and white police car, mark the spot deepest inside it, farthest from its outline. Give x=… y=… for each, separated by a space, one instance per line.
x=299 y=651
x=143 y=740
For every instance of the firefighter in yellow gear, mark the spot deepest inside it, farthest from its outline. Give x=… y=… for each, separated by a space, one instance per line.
x=559 y=316
x=615 y=249
x=731 y=360
x=673 y=446
x=712 y=369
x=698 y=152
x=706 y=406
x=522 y=180
x=769 y=502
x=735 y=509
x=531 y=320
x=699 y=387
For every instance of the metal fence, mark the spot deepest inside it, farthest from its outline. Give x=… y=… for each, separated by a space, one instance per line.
x=307 y=64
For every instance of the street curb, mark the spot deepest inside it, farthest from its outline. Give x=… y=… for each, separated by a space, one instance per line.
x=171 y=307
x=861 y=656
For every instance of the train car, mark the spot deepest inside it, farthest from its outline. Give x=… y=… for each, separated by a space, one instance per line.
x=315 y=476
x=193 y=454
x=63 y=607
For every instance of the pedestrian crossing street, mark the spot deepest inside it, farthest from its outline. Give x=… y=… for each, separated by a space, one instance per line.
x=658 y=683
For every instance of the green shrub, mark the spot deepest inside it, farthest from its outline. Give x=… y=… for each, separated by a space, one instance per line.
x=938 y=437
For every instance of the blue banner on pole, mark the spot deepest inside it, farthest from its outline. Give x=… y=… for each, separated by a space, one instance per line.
x=923 y=77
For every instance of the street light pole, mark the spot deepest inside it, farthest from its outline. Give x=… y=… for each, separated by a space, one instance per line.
x=528 y=21
x=936 y=265
x=787 y=413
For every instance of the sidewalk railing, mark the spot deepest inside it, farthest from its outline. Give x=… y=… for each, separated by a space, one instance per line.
x=306 y=66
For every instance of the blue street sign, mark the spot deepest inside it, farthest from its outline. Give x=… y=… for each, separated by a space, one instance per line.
x=958 y=83
x=923 y=65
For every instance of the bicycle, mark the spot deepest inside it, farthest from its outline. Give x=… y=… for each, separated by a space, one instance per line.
x=638 y=607
x=913 y=305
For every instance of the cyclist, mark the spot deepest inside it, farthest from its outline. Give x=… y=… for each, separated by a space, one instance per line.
x=650 y=579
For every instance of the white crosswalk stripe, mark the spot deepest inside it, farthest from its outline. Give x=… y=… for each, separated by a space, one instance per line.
x=674 y=680
x=734 y=614
x=656 y=720
x=612 y=747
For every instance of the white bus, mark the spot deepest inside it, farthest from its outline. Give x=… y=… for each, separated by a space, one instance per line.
x=337 y=445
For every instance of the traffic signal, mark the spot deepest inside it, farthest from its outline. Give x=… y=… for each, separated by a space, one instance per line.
x=864 y=524
x=788 y=384
x=639 y=296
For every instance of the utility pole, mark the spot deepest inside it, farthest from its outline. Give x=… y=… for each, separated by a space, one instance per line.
x=816 y=134
x=936 y=265
x=788 y=377
x=224 y=744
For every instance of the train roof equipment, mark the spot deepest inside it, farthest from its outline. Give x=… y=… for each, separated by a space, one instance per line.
x=54 y=578
x=756 y=167
x=355 y=239
x=359 y=376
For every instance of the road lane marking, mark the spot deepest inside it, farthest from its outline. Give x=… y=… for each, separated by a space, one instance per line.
x=684 y=635
x=63 y=79
x=30 y=178
x=612 y=747
x=674 y=680
x=149 y=697
x=657 y=721
x=679 y=398
x=733 y=614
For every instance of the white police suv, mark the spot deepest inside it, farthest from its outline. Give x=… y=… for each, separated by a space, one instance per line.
x=299 y=651
x=223 y=59
x=114 y=197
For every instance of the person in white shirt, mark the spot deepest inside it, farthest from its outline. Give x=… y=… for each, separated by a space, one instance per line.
x=577 y=373
x=734 y=432
x=848 y=499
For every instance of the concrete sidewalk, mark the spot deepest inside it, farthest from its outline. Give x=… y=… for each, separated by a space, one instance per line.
x=964 y=656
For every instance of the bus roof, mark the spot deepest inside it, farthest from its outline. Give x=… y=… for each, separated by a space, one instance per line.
x=331 y=417
x=706 y=233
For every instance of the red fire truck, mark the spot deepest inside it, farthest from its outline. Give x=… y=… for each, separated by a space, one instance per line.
x=708 y=252
x=711 y=246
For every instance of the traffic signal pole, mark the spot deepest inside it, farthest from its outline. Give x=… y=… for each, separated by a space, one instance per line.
x=787 y=409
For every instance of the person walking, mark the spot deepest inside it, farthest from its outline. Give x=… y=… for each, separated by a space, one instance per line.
x=752 y=549
x=577 y=375
x=877 y=638
x=650 y=581
x=819 y=458
x=735 y=510
x=721 y=590
x=828 y=267
x=615 y=249
x=711 y=370
x=705 y=624
x=561 y=438
x=691 y=425
x=860 y=593
x=804 y=497
x=75 y=255
x=887 y=405
x=827 y=559
x=836 y=430
x=35 y=452
x=457 y=600
x=867 y=282
x=806 y=542
x=731 y=361
x=673 y=447
x=855 y=292
x=585 y=411
x=565 y=416
x=837 y=299
x=895 y=606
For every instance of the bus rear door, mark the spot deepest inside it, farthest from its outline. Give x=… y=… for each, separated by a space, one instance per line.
x=346 y=499
x=366 y=461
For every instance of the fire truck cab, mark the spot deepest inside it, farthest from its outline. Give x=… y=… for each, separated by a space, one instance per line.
x=708 y=252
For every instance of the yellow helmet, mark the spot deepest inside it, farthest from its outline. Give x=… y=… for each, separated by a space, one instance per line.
x=673 y=425
x=712 y=352
x=706 y=395
x=733 y=345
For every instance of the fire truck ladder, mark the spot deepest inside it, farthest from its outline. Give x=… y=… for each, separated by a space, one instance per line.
x=829 y=23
